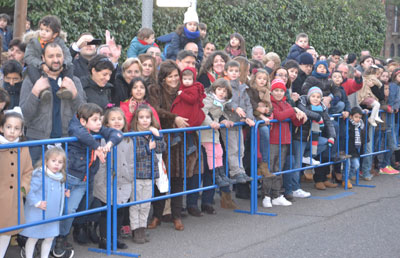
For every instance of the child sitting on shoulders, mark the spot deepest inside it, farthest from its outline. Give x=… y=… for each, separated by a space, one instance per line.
x=188 y=104
x=49 y=31
x=299 y=47
x=143 y=41
x=280 y=140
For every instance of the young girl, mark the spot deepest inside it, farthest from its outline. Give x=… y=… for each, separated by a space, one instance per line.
x=188 y=32
x=53 y=203
x=114 y=118
x=144 y=120
x=138 y=97
x=369 y=94
x=236 y=45
x=259 y=93
x=12 y=128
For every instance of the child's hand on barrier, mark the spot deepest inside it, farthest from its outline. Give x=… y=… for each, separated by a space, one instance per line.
x=214 y=125
x=227 y=123
x=42 y=205
x=67 y=193
x=266 y=120
x=240 y=112
x=345 y=114
x=181 y=122
x=99 y=153
x=250 y=122
x=152 y=144
x=154 y=131
x=107 y=147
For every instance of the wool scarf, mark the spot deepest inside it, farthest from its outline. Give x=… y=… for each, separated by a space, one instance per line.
x=191 y=35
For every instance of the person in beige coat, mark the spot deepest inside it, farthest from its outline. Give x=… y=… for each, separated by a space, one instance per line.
x=11 y=128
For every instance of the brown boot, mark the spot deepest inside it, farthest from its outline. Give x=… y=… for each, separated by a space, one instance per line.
x=349 y=185
x=329 y=184
x=309 y=174
x=320 y=186
x=138 y=236
x=154 y=223
x=227 y=202
x=263 y=170
x=63 y=93
x=178 y=225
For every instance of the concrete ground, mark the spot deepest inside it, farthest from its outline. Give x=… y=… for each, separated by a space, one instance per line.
x=362 y=222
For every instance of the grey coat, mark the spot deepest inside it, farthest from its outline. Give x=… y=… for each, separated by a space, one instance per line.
x=38 y=115
x=239 y=99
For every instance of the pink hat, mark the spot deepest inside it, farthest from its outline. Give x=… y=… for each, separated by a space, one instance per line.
x=278 y=84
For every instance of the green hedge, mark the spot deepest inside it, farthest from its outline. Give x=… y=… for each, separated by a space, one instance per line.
x=347 y=25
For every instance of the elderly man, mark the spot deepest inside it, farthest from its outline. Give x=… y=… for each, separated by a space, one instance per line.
x=49 y=118
x=349 y=85
x=257 y=53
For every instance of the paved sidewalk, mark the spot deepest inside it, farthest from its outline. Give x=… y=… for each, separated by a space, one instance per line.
x=362 y=222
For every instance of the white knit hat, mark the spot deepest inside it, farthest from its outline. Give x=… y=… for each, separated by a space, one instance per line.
x=191 y=16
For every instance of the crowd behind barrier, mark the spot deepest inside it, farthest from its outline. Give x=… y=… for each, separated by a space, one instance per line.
x=112 y=172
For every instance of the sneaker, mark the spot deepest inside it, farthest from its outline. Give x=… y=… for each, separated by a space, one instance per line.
x=306 y=160
x=266 y=203
x=239 y=178
x=388 y=171
x=125 y=231
x=394 y=170
x=299 y=193
x=247 y=178
x=281 y=200
x=368 y=178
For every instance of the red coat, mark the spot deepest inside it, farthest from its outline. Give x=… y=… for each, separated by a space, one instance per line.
x=282 y=110
x=350 y=86
x=128 y=115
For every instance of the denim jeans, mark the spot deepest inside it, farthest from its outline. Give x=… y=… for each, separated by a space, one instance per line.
x=338 y=108
x=387 y=140
x=354 y=166
x=291 y=181
x=366 y=163
x=264 y=142
x=77 y=189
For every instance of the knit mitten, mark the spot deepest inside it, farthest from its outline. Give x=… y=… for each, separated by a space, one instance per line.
x=331 y=141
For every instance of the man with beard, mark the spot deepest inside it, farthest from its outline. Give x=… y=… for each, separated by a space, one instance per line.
x=49 y=119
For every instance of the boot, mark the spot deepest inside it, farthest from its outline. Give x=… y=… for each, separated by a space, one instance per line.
x=349 y=185
x=227 y=202
x=103 y=244
x=219 y=181
x=330 y=184
x=63 y=93
x=138 y=236
x=62 y=247
x=154 y=223
x=92 y=232
x=320 y=186
x=45 y=96
x=221 y=172
x=80 y=234
x=178 y=225
x=263 y=170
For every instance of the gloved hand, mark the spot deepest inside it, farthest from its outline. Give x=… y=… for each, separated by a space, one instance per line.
x=331 y=142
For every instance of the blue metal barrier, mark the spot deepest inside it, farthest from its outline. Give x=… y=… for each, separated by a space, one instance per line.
x=111 y=207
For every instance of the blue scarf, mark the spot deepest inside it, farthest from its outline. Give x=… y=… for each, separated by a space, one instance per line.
x=191 y=35
x=317 y=108
x=320 y=75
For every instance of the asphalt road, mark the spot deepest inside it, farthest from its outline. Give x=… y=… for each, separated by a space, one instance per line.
x=362 y=222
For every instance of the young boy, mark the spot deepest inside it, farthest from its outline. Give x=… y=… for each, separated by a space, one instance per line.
x=140 y=43
x=189 y=104
x=239 y=109
x=203 y=31
x=300 y=46
x=355 y=141
x=86 y=123
x=280 y=138
x=5 y=31
x=49 y=31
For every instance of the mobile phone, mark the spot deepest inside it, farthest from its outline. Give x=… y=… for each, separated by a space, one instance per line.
x=95 y=42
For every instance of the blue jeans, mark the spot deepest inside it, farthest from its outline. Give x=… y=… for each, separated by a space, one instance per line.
x=354 y=166
x=264 y=142
x=77 y=188
x=366 y=164
x=387 y=140
x=338 y=108
x=291 y=181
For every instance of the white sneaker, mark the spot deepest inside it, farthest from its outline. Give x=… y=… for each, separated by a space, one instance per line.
x=299 y=193
x=306 y=160
x=266 y=203
x=281 y=200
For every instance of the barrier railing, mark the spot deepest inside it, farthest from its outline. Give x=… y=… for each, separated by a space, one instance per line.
x=111 y=206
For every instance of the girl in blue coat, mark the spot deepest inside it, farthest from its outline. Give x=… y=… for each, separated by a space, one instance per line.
x=54 y=192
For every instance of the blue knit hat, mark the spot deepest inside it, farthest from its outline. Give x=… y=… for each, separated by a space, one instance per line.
x=321 y=62
x=305 y=58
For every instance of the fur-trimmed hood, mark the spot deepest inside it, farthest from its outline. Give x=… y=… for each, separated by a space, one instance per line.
x=35 y=34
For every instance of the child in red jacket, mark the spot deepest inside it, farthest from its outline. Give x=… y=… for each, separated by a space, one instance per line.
x=189 y=104
x=280 y=138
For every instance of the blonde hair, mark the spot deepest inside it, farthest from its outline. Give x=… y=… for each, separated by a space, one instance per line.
x=256 y=71
x=130 y=61
x=274 y=57
x=51 y=152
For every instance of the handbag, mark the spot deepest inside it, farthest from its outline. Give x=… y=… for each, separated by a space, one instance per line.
x=162 y=182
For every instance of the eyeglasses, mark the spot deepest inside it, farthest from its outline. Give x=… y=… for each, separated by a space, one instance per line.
x=282 y=75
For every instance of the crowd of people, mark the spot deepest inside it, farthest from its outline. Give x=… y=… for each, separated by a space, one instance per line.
x=52 y=89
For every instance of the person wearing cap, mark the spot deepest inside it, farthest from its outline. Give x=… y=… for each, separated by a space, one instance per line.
x=280 y=140
x=318 y=122
x=188 y=32
x=305 y=61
